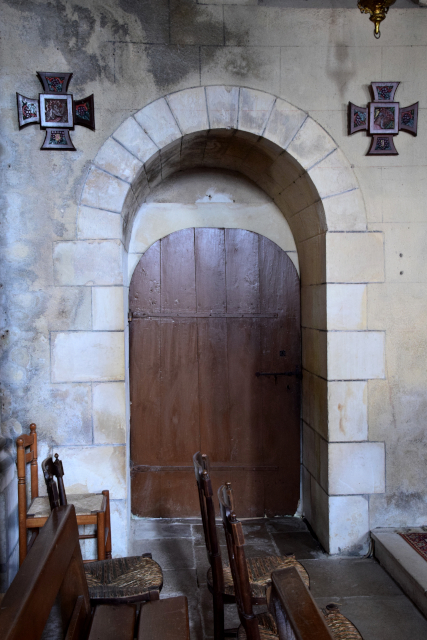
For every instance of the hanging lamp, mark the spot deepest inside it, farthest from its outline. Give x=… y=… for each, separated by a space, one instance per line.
x=378 y=10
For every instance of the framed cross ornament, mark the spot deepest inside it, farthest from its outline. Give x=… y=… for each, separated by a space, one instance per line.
x=383 y=119
x=56 y=111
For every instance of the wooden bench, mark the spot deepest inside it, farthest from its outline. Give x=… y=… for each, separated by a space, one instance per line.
x=54 y=566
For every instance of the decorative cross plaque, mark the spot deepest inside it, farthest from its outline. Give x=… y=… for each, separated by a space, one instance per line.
x=56 y=111
x=383 y=119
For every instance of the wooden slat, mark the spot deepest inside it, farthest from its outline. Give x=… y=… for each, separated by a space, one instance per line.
x=29 y=457
x=210 y=270
x=164 y=620
x=144 y=290
x=214 y=410
x=178 y=277
x=242 y=271
x=203 y=314
x=294 y=603
x=113 y=622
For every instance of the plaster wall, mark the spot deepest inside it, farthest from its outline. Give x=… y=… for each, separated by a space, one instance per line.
x=129 y=54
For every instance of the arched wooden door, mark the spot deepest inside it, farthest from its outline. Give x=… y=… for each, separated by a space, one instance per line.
x=211 y=309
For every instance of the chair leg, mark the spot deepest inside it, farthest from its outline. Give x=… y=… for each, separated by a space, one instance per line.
x=108 y=544
x=218 y=611
x=100 y=534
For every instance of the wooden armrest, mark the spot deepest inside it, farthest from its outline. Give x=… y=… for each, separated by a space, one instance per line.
x=164 y=620
x=295 y=609
x=113 y=622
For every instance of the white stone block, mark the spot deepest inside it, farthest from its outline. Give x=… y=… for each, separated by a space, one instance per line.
x=103 y=191
x=97 y=224
x=347 y=411
x=284 y=123
x=115 y=159
x=107 y=309
x=223 y=104
x=333 y=175
x=345 y=211
x=311 y=144
x=93 y=469
x=88 y=262
x=157 y=121
x=348 y=524
x=109 y=413
x=346 y=307
x=356 y=355
x=313 y=306
x=320 y=512
x=189 y=109
x=314 y=351
x=356 y=467
x=119 y=528
x=131 y=136
x=254 y=110
x=354 y=257
x=87 y=356
x=133 y=259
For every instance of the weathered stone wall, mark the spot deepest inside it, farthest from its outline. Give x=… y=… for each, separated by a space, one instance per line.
x=129 y=53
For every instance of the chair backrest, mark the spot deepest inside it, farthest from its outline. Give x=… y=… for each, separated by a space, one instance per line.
x=23 y=458
x=53 y=565
x=207 y=510
x=53 y=472
x=236 y=555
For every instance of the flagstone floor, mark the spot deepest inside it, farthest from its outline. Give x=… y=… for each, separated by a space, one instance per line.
x=364 y=591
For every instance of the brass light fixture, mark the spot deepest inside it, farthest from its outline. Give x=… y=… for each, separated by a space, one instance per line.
x=378 y=10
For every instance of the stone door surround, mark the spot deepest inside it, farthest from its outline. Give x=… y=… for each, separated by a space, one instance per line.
x=301 y=168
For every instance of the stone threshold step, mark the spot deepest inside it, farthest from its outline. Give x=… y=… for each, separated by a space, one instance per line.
x=403 y=563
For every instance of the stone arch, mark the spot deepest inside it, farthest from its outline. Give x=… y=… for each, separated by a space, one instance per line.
x=297 y=163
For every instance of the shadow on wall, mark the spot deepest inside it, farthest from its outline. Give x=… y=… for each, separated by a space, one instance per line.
x=8 y=513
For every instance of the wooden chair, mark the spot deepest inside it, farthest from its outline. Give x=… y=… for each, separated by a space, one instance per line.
x=91 y=508
x=219 y=578
x=297 y=616
x=117 y=580
x=54 y=566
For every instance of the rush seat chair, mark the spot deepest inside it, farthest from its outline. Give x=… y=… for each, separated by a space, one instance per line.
x=91 y=508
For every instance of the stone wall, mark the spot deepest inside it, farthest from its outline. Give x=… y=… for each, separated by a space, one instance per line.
x=130 y=54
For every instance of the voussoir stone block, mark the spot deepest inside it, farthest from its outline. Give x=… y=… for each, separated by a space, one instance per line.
x=356 y=355
x=356 y=468
x=284 y=123
x=115 y=159
x=157 y=121
x=109 y=413
x=87 y=356
x=345 y=211
x=189 y=109
x=223 y=104
x=311 y=144
x=131 y=136
x=94 y=224
x=103 y=191
x=93 y=469
x=333 y=175
x=254 y=110
x=88 y=262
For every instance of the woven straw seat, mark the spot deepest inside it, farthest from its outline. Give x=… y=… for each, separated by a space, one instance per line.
x=84 y=504
x=340 y=627
x=123 y=578
x=259 y=570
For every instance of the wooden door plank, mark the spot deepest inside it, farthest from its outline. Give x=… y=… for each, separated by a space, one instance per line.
x=145 y=388
x=178 y=278
x=213 y=389
x=279 y=281
x=242 y=271
x=179 y=424
x=210 y=270
x=144 y=290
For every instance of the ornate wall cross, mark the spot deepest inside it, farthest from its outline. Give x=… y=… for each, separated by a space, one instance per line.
x=56 y=111
x=383 y=119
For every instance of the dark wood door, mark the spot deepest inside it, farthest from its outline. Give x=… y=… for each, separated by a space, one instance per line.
x=211 y=308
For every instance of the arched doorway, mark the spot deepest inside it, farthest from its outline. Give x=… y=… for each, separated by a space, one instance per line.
x=213 y=311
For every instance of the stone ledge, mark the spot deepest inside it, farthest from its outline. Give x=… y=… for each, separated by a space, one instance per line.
x=403 y=563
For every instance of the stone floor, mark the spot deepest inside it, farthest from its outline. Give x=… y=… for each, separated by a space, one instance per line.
x=365 y=592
